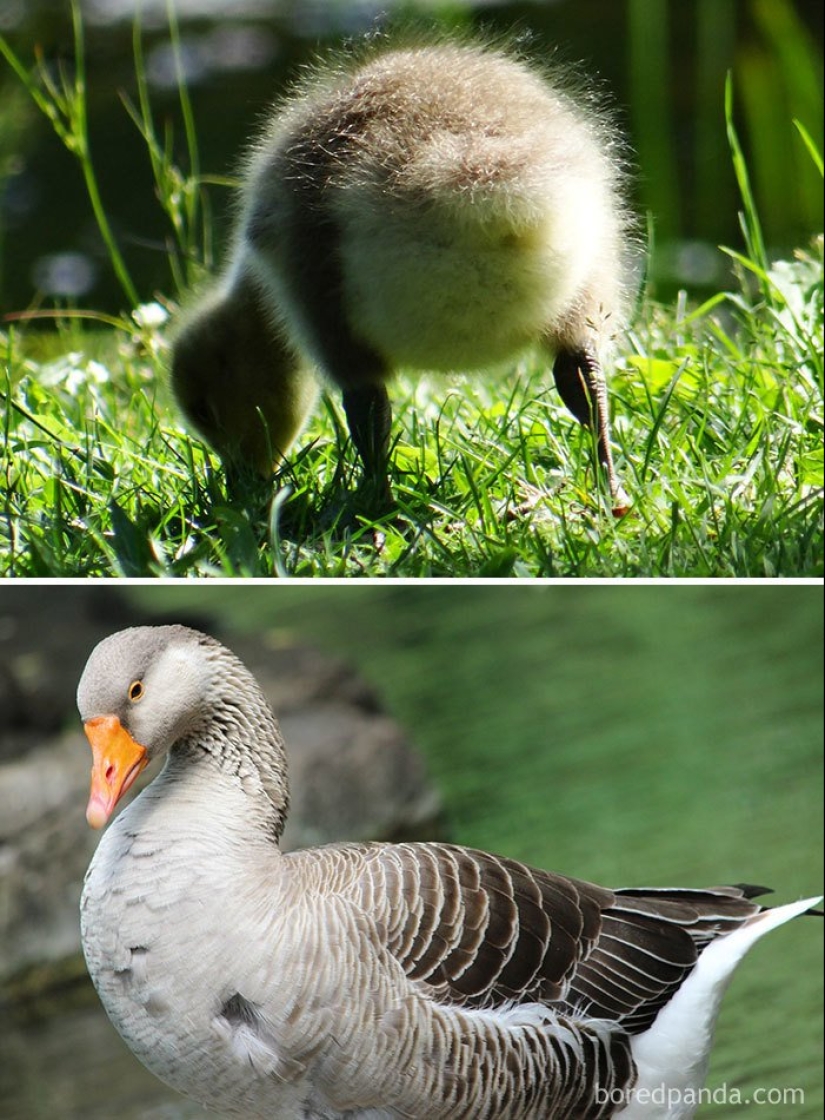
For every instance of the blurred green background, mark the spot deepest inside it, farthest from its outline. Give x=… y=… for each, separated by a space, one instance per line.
x=662 y=63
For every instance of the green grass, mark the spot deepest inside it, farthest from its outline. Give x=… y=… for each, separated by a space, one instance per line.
x=718 y=423
x=718 y=414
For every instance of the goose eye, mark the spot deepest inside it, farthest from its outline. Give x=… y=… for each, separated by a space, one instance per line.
x=136 y=691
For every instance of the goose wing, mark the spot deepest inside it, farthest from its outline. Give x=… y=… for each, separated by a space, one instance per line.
x=648 y=943
x=482 y=931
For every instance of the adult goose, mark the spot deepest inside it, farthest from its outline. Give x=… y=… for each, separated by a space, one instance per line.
x=435 y=207
x=366 y=981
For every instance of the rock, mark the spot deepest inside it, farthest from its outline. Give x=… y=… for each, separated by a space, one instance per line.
x=354 y=774
x=13 y=712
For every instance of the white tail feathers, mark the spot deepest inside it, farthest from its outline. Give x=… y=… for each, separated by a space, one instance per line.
x=672 y=1055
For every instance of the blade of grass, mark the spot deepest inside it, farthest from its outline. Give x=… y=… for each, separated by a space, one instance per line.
x=808 y=141
x=65 y=107
x=751 y=225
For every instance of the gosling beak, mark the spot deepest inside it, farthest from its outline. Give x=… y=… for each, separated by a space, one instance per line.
x=245 y=475
x=118 y=760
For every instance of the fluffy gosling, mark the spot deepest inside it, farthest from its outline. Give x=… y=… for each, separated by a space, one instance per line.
x=438 y=207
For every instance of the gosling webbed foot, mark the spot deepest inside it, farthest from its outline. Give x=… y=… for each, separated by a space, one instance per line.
x=583 y=389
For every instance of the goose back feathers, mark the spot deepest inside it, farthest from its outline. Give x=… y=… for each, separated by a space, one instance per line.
x=366 y=981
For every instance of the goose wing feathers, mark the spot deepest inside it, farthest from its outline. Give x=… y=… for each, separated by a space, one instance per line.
x=648 y=943
x=484 y=931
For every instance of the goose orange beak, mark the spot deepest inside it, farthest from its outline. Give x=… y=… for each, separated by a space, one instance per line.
x=118 y=760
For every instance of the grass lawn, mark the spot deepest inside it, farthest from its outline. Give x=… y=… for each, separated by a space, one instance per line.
x=718 y=416
x=717 y=423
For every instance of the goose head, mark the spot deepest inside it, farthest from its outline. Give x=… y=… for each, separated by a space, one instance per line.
x=142 y=691
x=237 y=383
x=156 y=691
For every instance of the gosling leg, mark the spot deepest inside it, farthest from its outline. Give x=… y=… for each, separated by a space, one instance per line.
x=308 y=243
x=369 y=417
x=583 y=389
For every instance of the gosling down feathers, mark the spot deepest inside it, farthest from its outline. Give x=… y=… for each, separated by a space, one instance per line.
x=438 y=207
x=366 y=981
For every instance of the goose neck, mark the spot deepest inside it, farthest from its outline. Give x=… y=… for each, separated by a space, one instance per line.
x=241 y=739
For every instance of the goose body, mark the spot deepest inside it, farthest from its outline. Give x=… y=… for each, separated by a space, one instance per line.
x=366 y=981
x=432 y=207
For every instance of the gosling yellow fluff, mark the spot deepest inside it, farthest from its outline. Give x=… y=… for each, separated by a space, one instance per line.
x=434 y=207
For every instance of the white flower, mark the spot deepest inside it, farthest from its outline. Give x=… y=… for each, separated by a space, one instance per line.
x=70 y=373
x=97 y=372
x=150 y=315
x=65 y=372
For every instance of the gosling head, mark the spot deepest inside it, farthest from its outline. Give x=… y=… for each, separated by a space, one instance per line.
x=237 y=382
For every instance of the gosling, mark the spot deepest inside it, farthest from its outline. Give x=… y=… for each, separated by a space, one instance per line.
x=439 y=207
